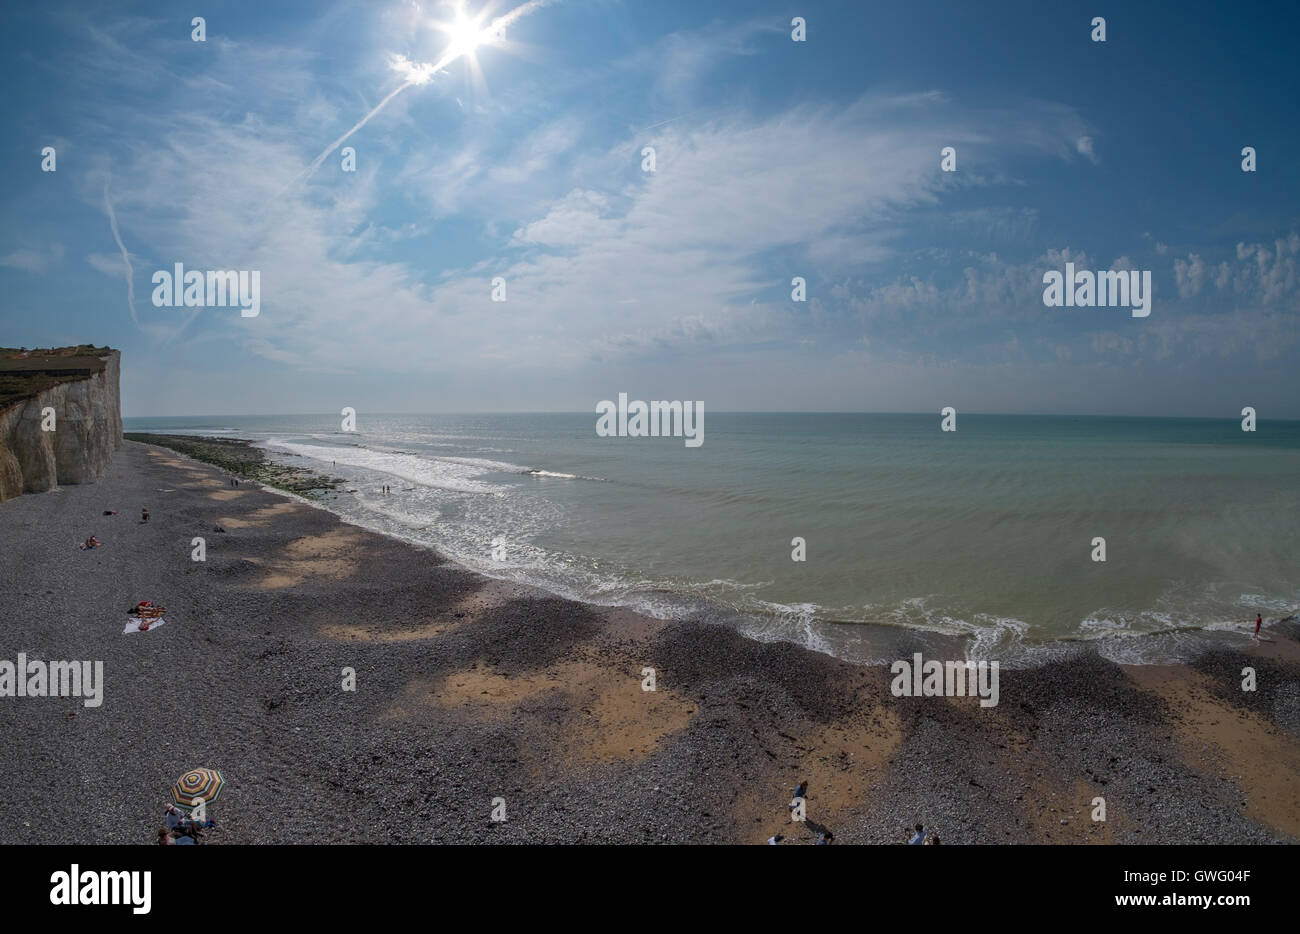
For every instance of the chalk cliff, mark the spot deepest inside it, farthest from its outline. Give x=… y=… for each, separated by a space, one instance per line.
x=80 y=385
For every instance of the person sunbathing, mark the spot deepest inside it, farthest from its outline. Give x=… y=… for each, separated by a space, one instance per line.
x=147 y=613
x=91 y=542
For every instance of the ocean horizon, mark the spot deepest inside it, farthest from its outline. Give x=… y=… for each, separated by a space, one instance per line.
x=987 y=533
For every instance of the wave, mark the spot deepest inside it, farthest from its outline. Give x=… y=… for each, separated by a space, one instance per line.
x=537 y=472
x=444 y=473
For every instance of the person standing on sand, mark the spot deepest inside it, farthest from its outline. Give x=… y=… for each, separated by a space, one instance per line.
x=144 y=515
x=800 y=792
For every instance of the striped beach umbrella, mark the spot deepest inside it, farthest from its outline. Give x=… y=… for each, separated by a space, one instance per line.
x=197 y=783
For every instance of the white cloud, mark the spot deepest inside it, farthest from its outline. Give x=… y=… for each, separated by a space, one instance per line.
x=1189 y=275
x=110 y=264
x=33 y=261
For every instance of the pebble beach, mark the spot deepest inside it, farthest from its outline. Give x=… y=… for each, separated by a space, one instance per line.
x=473 y=695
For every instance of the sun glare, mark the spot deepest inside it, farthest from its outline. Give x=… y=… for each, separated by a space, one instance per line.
x=464 y=36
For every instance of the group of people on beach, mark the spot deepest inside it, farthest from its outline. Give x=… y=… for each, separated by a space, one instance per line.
x=94 y=542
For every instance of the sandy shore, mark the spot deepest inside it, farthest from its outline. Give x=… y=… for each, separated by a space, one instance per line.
x=470 y=690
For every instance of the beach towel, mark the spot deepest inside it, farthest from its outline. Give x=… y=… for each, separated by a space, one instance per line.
x=133 y=624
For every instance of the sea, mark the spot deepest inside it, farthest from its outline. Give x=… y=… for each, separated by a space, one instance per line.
x=988 y=533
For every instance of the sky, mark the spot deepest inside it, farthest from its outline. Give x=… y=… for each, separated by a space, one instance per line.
x=773 y=159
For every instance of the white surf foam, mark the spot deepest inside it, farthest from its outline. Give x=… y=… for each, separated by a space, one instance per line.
x=444 y=473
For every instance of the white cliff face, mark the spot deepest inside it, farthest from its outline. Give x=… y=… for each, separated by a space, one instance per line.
x=88 y=430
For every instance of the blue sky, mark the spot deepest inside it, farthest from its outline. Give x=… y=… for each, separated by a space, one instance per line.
x=774 y=159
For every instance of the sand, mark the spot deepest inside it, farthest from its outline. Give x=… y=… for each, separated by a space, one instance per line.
x=469 y=689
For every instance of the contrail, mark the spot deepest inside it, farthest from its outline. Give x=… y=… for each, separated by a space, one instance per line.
x=417 y=73
x=518 y=13
x=126 y=257
x=655 y=126
x=316 y=163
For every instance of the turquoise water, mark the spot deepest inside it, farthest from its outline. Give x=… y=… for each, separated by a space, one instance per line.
x=986 y=531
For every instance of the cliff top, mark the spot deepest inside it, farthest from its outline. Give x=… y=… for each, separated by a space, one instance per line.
x=25 y=373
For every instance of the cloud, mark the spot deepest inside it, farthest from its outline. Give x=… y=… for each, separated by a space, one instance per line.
x=33 y=261
x=1190 y=275
x=108 y=264
x=603 y=263
x=1263 y=274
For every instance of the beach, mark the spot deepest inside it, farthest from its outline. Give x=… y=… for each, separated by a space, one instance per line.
x=469 y=690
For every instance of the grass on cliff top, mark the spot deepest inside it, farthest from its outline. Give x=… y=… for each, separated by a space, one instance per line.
x=240 y=458
x=76 y=350
x=26 y=373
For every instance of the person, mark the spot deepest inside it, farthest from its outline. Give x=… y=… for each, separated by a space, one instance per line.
x=179 y=822
x=1258 y=621
x=917 y=837
x=174 y=838
x=800 y=791
x=144 y=515
x=146 y=620
x=91 y=542
x=775 y=839
x=825 y=838
x=932 y=841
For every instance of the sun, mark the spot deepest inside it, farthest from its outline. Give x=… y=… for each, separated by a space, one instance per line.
x=463 y=36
